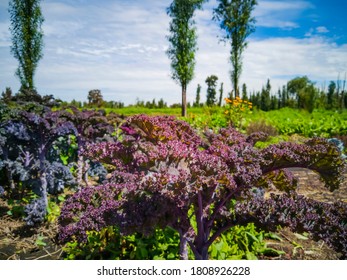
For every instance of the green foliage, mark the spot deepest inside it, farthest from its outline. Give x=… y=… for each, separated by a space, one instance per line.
x=265 y=99
x=319 y=123
x=271 y=141
x=236 y=111
x=287 y=121
x=110 y=244
x=95 y=98
x=53 y=209
x=66 y=148
x=304 y=92
x=242 y=242
x=211 y=82
x=40 y=241
x=207 y=117
x=197 y=98
x=17 y=206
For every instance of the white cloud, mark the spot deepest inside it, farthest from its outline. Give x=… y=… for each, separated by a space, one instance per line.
x=322 y=29
x=281 y=59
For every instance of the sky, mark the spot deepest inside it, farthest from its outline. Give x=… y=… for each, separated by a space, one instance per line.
x=118 y=46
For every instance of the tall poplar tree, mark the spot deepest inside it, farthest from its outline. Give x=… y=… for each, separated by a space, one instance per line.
x=197 y=98
x=183 y=43
x=27 y=38
x=211 y=82
x=235 y=18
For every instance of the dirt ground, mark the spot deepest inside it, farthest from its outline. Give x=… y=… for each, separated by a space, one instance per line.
x=20 y=242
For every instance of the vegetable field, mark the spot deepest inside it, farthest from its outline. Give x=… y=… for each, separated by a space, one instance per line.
x=221 y=183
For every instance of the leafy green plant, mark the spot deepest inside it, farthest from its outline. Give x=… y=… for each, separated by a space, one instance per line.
x=53 y=211
x=17 y=206
x=236 y=110
x=243 y=242
x=108 y=243
x=40 y=241
x=207 y=118
x=270 y=141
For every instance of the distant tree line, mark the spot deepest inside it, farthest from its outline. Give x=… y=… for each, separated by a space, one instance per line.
x=301 y=93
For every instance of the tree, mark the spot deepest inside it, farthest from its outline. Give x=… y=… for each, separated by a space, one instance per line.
x=235 y=18
x=197 y=98
x=279 y=99
x=211 y=82
x=95 y=97
x=27 y=38
x=265 y=98
x=284 y=96
x=220 y=95
x=244 y=92
x=304 y=92
x=183 y=43
x=6 y=95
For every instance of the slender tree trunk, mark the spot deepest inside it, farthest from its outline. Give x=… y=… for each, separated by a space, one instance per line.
x=184 y=100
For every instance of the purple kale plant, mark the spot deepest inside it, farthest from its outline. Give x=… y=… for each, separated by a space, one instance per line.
x=91 y=126
x=323 y=221
x=35 y=211
x=44 y=131
x=166 y=174
x=26 y=142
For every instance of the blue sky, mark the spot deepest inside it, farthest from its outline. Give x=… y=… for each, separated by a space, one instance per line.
x=118 y=46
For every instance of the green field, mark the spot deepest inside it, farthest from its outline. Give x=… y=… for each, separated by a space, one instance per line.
x=287 y=121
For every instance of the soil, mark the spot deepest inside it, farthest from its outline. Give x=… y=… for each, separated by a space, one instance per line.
x=20 y=242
